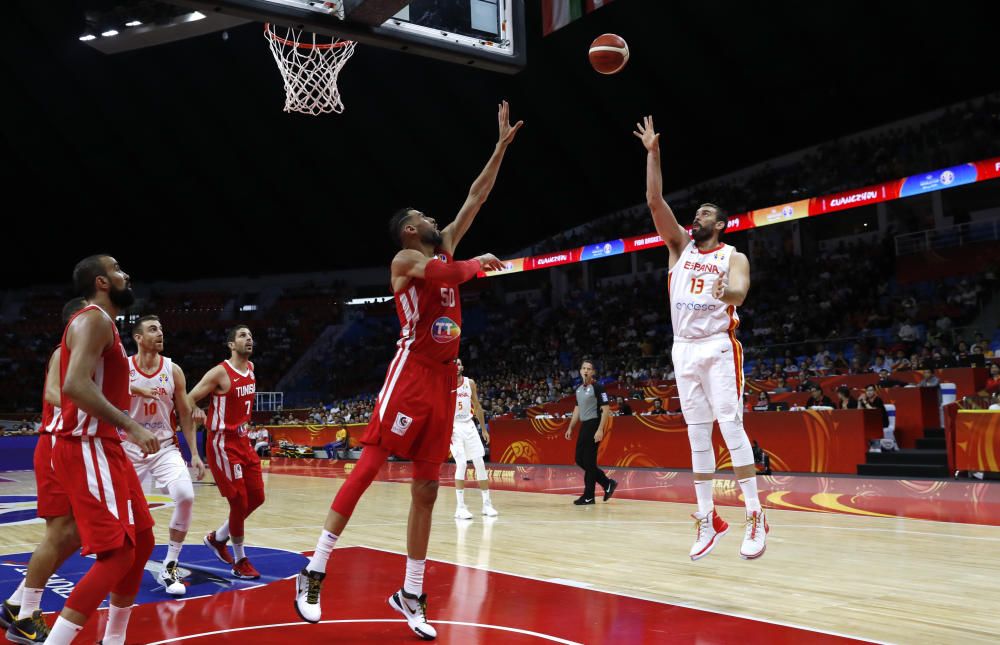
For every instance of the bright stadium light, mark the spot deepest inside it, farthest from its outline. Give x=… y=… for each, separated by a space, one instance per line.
x=109 y=33
x=133 y=23
x=87 y=37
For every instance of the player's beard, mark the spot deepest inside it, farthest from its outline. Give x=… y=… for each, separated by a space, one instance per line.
x=433 y=237
x=701 y=233
x=122 y=298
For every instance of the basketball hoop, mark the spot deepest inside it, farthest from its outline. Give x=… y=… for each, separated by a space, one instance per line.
x=309 y=68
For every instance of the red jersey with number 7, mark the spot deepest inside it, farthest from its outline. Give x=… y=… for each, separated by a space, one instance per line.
x=230 y=412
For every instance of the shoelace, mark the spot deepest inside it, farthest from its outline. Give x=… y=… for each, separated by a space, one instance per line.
x=312 y=593
x=699 y=524
x=40 y=626
x=172 y=573
x=752 y=522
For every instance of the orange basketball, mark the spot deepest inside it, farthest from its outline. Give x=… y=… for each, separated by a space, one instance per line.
x=608 y=53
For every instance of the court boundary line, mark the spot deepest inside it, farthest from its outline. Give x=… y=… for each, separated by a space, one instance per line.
x=516 y=630
x=634 y=597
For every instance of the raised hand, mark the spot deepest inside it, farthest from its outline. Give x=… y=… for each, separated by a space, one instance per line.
x=490 y=262
x=649 y=137
x=507 y=131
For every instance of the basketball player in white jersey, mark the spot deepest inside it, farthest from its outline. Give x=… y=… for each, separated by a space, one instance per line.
x=159 y=402
x=706 y=281
x=465 y=444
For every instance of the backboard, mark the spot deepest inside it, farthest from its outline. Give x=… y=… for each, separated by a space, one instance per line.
x=489 y=34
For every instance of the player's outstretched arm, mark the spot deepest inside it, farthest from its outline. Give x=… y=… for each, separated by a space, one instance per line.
x=183 y=406
x=733 y=289
x=481 y=187
x=410 y=263
x=673 y=234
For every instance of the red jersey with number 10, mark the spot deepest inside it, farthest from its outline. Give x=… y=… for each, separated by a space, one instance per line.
x=430 y=317
x=230 y=412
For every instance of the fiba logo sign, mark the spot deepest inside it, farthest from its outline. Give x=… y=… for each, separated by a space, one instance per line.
x=607 y=247
x=947 y=177
x=787 y=211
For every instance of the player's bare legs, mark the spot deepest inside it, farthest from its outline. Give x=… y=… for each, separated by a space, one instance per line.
x=60 y=541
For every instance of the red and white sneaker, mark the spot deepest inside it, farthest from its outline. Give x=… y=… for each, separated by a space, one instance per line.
x=244 y=570
x=710 y=527
x=219 y=548
x=755 y=538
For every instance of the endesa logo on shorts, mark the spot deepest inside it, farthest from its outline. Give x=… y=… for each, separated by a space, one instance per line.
x=445 y=330
x=695 y=306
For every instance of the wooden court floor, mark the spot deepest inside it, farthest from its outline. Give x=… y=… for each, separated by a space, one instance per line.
x=887 y=579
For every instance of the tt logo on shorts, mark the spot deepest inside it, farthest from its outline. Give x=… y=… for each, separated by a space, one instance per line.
x=401 y=424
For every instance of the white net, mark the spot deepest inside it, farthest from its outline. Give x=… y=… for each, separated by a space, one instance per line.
x=309 y=68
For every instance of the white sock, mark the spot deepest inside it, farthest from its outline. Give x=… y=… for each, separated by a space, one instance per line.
x=486 y=496
x=460 y=494
x=413 y=583
x=238 y=553
x=63 y=632
x=321 y=555
x=222 y=533
x=703 y=490
x=114 y=633
x=749 y=488
x=31 y=599
x=15 y=598
x=173 y=552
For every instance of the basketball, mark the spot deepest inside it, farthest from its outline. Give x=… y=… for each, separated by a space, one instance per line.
x=608 y=53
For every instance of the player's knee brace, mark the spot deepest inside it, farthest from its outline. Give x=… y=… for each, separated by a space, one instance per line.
x=480 y=468
x=740 y=450
x=702 y=453
x=461 y=464
x=182 y=492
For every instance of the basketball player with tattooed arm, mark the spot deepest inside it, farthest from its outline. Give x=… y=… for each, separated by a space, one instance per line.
x=415 y=410
x=707 y=280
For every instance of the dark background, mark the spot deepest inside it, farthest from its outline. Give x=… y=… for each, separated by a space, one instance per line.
x=179 y=161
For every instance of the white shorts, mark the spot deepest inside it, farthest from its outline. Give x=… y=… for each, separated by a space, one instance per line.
x=465 y=440
x=160 y=468
x=709 y=378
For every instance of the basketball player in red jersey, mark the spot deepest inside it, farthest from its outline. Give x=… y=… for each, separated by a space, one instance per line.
x=706 y=281
x=233 y=461
x=61 y=538
x=105 y=496
x=414 y=412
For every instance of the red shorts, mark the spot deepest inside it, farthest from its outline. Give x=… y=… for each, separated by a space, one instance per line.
x=52 y=499
x=104 y=491
x=414 y=414
x=234 y=463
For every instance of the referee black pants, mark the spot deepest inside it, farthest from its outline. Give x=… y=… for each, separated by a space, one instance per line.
x=586 y=458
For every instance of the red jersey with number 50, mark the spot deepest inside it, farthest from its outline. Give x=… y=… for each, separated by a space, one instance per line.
x=111 y=377
x=230 y=412
x=430 y=317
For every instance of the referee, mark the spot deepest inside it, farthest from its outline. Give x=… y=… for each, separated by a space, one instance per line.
x=593 y=410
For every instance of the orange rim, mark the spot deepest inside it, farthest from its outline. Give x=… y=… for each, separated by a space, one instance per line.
x=292 y=43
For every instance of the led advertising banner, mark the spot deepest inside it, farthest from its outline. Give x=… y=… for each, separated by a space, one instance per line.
x=897 y=189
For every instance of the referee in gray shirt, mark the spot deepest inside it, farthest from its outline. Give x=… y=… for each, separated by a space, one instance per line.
x=593 y=411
